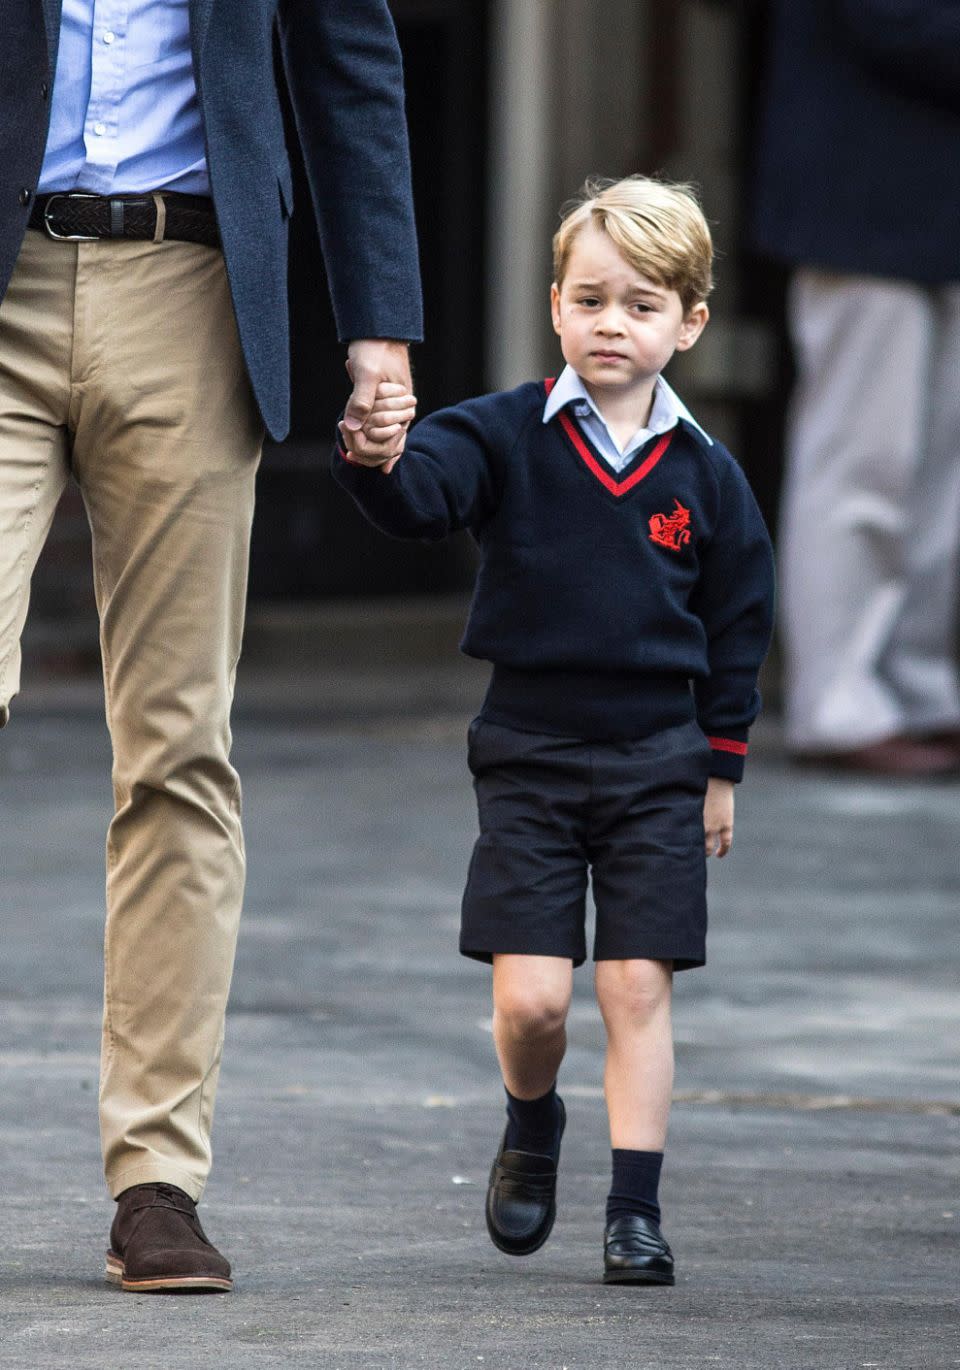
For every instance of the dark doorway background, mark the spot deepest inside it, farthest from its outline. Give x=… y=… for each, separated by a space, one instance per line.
x=309 y=541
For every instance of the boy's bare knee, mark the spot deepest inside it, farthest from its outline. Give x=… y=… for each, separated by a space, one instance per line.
x=638 y=990
x=531 y=1014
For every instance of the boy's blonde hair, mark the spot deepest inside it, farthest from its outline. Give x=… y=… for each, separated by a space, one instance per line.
x=658 y=226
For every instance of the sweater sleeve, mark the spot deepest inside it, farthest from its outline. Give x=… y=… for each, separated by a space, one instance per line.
x=734 y=601
x=446 y=479
x=914 y=44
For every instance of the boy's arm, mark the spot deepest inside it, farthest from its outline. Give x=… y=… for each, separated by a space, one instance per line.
x=734 y=601
x=446 y=479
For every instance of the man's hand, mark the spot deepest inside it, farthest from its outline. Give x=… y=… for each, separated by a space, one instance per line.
x=392 y=413
x=718 y=816
x=369 y=362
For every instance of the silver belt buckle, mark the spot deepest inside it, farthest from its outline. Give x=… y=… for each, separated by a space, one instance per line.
x=68 y=237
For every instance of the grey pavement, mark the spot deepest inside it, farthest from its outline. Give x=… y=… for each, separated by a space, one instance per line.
x=812 y=1185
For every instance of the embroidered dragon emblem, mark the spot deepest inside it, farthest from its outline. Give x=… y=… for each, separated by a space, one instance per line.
x=671 y=530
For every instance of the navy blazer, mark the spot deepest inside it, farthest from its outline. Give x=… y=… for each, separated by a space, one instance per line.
x=858 y=166
x=341 y=64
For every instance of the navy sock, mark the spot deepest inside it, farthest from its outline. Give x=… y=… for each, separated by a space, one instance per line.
x=636 y=1178
x=533 y=1124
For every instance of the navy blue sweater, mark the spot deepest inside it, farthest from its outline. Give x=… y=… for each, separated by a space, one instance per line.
x=600 y=598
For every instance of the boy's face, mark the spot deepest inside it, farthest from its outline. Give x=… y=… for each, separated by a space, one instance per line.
x=617 y=329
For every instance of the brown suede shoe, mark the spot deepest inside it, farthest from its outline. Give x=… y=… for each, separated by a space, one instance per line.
x=157 y=1245
x=904 y=758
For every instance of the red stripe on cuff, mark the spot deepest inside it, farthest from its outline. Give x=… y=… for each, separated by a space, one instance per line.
x=727 y=744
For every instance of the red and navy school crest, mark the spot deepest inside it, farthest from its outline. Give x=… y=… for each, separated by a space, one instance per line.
x=671 y=530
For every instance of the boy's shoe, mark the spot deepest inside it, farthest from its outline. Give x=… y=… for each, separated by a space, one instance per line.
x=522 y=1196
x=635 y=1251
x=157 y=1245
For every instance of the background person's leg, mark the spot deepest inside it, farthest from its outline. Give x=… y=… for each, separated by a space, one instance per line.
x=36 y=331
x=858 y=425
x=166 y=451
x=920 y=662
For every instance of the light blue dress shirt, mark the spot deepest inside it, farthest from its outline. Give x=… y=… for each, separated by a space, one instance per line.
x=667 y=410
x=125 y=116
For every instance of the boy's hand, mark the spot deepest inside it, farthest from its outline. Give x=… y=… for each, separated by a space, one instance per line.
x=718 y=816
x=391 y=413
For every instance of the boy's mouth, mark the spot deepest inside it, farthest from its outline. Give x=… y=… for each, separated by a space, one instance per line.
x=608 y=356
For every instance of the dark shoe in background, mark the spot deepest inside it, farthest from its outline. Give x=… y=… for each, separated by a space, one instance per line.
x=635 y=1251
x=157 y=1245
x=522 y=1197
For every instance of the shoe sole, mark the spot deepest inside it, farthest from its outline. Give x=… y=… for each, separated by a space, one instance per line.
x=167 y=1284
x=636 y=1277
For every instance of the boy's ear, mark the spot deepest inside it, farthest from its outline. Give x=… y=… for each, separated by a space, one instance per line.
x=694 y=322
x=555 y=307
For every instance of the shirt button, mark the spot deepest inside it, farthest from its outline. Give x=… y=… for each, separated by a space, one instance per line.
x=108 y=37
x=44 y=90
x=25 y=196
x=99 y=129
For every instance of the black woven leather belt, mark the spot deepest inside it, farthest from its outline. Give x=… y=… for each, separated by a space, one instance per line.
x=75 y=216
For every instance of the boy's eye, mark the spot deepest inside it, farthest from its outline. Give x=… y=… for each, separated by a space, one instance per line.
x=589 y=300
x=642 y=307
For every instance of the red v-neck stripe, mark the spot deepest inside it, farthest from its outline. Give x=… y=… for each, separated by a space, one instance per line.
x=604 y=477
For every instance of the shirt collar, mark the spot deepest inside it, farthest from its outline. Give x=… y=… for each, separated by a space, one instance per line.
x=668 y=408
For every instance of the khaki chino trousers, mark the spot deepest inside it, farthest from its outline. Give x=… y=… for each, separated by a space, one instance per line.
x=120 y=362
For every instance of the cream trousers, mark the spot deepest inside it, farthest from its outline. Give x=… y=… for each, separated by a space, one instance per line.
x=120 y=363
x=870 y=526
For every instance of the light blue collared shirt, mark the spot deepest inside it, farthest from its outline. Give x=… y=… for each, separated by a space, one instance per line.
x=668 y=409
x=125 y=117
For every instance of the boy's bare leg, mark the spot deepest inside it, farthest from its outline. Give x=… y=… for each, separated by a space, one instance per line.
x=634 y=999
x=531 y=998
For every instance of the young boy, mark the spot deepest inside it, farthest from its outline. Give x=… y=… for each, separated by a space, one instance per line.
x=624 y=598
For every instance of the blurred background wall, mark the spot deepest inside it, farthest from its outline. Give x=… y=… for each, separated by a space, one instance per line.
x=512 y=103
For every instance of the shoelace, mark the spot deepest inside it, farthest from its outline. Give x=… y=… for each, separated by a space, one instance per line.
x=165 y=1196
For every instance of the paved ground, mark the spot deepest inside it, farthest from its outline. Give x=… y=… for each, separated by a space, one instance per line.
x=812 y=1191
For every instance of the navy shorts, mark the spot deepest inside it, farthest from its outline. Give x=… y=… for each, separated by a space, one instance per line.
x=554 y=810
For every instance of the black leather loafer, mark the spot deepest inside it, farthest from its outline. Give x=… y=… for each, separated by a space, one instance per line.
x=522 y=1197
x=635 y=1251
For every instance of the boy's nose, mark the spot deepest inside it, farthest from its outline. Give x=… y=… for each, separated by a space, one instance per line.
x=609 y=324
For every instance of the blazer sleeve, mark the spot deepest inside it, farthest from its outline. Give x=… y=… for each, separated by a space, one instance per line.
x=345 y=77
x=447 y=478
x=734 y=601
x=915 y=44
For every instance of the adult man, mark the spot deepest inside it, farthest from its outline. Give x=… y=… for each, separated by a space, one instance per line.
x=143 y=345
x=858 y=189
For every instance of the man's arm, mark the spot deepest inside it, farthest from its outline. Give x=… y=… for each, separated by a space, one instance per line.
x=345 y=77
